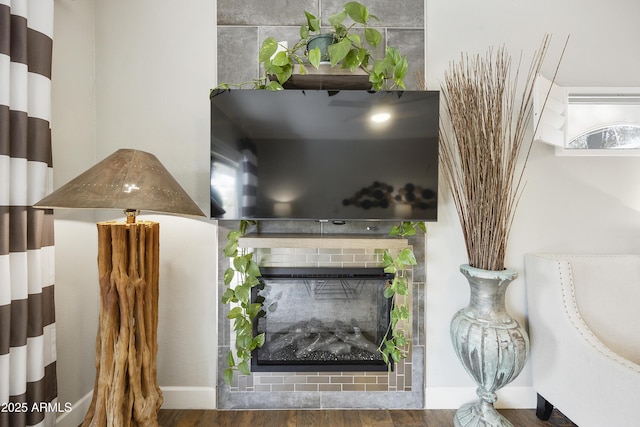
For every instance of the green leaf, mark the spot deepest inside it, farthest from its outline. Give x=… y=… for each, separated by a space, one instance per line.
x=395 y=230
x=228 y=296
x=240 y=264
x=304 y=31
x=243 y=367
x=244 y=224
x=314 y=56
x=394 y=316
x=284 y=74
x=252 y=268
x=408 y=229
x=395 y=355
x=281 y=59
x=231 y=249
x=235 y=313
x=228 y=375
x=233 y=236
x=337 y=18
x=353 y=60
x=390 y=346
x=341 y=31
x=231 y=362
x=303 y=69
x=404 y=312
x=258 y=341
x=407 y=257
x=251 y=281
x=228 y=275
x=378 y=68
x=243 y=341
x=373 y=36
x=243 y=293
x=273 y=86
x=355 y=39
x=338 y=51
x=253 y=310
x=268 y=48
x=401 y=287
x=312 y=22
x=357 y=11
x=401 y=340
x=391 y=269
x=387 y=259
x=389 y=292
x=422 y=226
x=401 y=68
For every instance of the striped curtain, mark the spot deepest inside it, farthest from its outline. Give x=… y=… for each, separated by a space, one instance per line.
x=28 y=391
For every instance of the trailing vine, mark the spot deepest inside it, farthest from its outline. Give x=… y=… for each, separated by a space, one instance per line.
x=246 y=272
x=395 y=346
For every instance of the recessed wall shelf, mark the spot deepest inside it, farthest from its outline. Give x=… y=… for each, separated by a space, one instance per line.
x=327 y=241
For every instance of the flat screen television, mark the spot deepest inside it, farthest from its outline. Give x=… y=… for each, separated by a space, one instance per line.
x=324 y=155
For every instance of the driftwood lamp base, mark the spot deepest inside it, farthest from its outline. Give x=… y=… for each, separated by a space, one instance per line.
x=126 y=391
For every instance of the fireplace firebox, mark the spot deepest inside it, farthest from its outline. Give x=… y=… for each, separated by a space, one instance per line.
x=321 y=319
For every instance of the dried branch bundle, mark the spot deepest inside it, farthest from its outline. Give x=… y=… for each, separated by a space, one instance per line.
x=490 y=126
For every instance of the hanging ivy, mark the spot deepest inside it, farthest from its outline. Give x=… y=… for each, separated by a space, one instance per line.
x=396 y=344
x=246 y=272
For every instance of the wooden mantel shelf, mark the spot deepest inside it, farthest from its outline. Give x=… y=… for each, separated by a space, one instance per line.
x=327 y=77
x=326 y=241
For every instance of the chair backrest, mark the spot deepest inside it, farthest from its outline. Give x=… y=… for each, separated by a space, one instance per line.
x=607 y=293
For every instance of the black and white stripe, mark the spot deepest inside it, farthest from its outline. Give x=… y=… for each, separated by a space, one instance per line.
x=27 y=315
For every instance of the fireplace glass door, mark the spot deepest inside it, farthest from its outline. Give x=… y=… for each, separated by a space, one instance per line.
x=322 y=319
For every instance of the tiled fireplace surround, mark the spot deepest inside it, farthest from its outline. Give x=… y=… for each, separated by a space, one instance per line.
x=357 y=244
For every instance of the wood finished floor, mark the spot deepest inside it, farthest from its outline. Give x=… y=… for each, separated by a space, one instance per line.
x=341 y=418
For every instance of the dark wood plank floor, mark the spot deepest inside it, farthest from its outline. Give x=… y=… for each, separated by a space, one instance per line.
x=341 y=418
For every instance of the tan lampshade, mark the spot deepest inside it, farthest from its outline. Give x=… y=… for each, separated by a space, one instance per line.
x=127 y=179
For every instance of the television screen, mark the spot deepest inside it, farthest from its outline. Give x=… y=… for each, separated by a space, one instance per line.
x=324 y=155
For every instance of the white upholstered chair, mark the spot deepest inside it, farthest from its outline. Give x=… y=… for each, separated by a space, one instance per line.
x=584 y=325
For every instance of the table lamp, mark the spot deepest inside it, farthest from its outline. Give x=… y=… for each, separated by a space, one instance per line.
x=126 y=391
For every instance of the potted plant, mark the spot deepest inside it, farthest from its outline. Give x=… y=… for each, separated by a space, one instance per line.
x=483 y=150
x=345 y=47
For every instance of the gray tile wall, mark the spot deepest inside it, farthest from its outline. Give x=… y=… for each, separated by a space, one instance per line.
x=243 y=25
x=241 y=28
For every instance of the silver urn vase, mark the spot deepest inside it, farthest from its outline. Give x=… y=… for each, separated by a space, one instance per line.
x=491 y=345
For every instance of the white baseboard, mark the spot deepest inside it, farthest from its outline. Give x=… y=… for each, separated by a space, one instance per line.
x=173 y=398
x=455 y=397
x=75 y=417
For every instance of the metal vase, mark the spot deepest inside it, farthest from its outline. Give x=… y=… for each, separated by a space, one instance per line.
x=491 y=345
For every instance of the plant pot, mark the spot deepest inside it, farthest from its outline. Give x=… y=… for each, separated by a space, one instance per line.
x=322 y=41
x=491 y=345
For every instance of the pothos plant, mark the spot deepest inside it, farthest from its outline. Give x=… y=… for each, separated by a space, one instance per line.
x=245 y=271
x=350 y=50
x=395 y=346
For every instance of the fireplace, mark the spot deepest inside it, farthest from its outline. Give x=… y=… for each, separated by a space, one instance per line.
x=321 y=319
x=302 y=245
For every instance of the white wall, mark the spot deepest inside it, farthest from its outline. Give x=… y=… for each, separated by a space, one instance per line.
x=73 y=139
x=570 y=204
x=137 y=74
x=154 y=65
